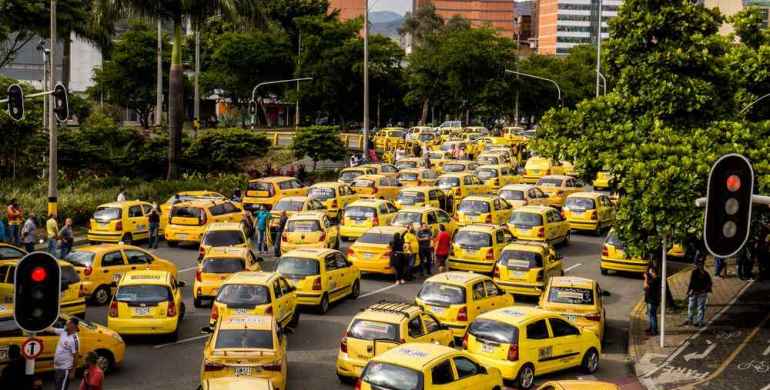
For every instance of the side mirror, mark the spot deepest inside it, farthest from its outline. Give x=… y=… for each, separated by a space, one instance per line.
x=180 y=283
x=206 y=330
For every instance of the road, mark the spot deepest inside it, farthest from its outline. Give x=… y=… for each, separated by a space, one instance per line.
x=154 y=364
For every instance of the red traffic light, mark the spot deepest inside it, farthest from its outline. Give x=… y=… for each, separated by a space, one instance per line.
x=733 y=183
x=38 y=274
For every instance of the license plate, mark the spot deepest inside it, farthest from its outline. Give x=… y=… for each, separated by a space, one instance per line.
x=570 y=317
x=241 y=311
x=519 y=274
x=181 y=236
x=141 y=311
x=242 y=371
x=438 y=309
x=487 y=348
x=367 y=255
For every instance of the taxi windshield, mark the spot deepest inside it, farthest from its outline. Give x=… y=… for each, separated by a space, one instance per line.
x=391 y=376
x=309 y=225
x=520 y=260
x=549 y=182
x=473 y=206
x=363 y=183
x=139 y=293
x=473 y=239
x=223 y=238
x=289 y=205
x=406 y=164
x=350 y=175
x=435 y=155
x=260 y=186
x=579 y=204
x=491 y=160
x=244 y=338
x=571 y=295
x=80 y=258
x=440 y=293
x=394 y=134
x=496 y=331
x=448 y=182
x=410 y=197
x=425 y=137
x=222 y=266
x=408 y=176
x=243 y=295
x=454 y=167
x=293 y=267
x=512 y=194
x=375 y=238
x=360 y=212
x=407 y=218
x=321 y=193
x=104 y=214
x=526 y=219
x=486 y=173
x=373 y=330
x=186 y=212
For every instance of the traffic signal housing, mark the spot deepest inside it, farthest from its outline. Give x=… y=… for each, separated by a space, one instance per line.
x=37 y=289
x=728 y=205
x=16 y=102
x=60 y=102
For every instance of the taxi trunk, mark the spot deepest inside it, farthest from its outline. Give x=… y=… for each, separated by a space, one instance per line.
x=358 y=352
x=105 y=230
x=582 y=219
x=209 y=282
x=467 y=218
x=371 y=258
x=142 y=317
x=476 y=258
x=454 y=316
x=365 y=191
x=527 y=231
x=614 y=258
x=242 y=363
x=519 y=277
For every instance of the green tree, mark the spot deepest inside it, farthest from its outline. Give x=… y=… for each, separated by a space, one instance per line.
x=318 y=143
x=225 y=150
x=24 y=141
x=421 y=24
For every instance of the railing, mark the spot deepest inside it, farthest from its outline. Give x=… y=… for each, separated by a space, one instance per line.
x=284 y=139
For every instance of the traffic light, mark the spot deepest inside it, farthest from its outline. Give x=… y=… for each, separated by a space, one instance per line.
x=728 y=205
x=16 y=102
x=252 y=107
x=37 y=285
x=61 y=102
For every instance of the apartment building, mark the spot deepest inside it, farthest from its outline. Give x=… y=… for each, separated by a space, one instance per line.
x=564 y=24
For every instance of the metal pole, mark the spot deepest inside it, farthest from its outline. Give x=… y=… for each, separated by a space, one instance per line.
x=197 y=104
x=296 y=108
x=159 y=77
x=599 y=49
x=663 y=295
x=53 y=169
x=518 y=59
x=558 y=89
x=366 y=78
x=45 y=86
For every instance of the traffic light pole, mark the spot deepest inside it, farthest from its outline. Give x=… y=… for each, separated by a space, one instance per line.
x=53 y=167
x=663 y=294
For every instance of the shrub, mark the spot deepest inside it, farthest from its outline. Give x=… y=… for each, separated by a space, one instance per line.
x=225 y=150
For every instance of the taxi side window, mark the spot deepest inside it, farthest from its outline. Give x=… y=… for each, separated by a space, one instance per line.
x=230 y=208
x=492 y=289
x=11 y=274
x=431 y=218
x=136 y=257
x=442 y=373
x=539 y=194
x=284 y=286
x=537 y=330
x=468 y=180
x=500 y=236
x=431 y=324
x=442 y=216
x=286 y=185
x=217 y=210
x=339 y=259
x=508 y=235
x=135 y=211
x=111 y=259
x=478 y=291
x=497 y=204
x=8 y=328
x=465 y=367
x=146 y=209
x=562 y=328
x=3 y=273
x=277 y=289
x=415 y=327
x=331 y=263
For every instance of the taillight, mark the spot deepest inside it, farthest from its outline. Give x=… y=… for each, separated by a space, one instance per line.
x=114 y=309
x=374 y=189
x=349 y=252
x=334 y=203
x=214 y=313
x=171 y=309
x=317 y=284
x=213 y=366
x=488 y=219
x=540 y=276
x=344 y=345
x=201 y=252
x=284 y=237
x=198 y=275
x=605 y=251
x=119 y=225
x=526 y=202
x=322 y=237
x=561 y=212
x=541 y=232
x=451 y=250
x=269 y=310
x=375 y=221
x=594 y=317
x=490 y=254
x=88 y=271
x=202 y=219
x=90 y=225
x=513 y=352
x=462 y=314
x=497 y=273
x=465 y=341
x=358 y=384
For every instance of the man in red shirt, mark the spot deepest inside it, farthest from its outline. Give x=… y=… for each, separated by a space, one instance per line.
x=442 y=247
x=93 y=376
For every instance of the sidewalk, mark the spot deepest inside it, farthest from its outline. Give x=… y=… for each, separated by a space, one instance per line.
x=644 y=350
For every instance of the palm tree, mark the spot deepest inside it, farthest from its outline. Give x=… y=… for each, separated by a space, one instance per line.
x=177 y=11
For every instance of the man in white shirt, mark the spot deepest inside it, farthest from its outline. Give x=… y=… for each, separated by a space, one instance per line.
x=122 y=195
x=66 y=356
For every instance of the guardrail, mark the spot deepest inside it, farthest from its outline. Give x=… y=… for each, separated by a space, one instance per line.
x=284 y=139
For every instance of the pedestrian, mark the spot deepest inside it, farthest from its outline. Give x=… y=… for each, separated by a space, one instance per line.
x=154 y=224
x=67 y=238
x=15 y=216
x=697 y=293
x=425 y=239
x=3 y=231
x=93 y=376
x=411 y=249
x=66 y=355
x=237 y=196
x=247 y=220
x=52 y=233
x=745 y=263
x=720 y=267
x=263 y=217
x=281 y=225
x=397 y=257
x=416 y=150
x=426 y=160
x=28 y=234
x=13 y=375
x=652 y=297
x=443 y=240
x=456 y=152
x=400 y=154
x=122 y=195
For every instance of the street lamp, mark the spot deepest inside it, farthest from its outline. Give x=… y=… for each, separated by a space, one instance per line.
x=256 y=87
x=558 y=89
x=752 y=104
x=604 y=81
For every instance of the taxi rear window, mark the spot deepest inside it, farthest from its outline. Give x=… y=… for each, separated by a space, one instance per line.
x=580 y=204
x=143 y=294
x=451 y=167
x=360 y=212
x=375 y=238
x=260 y=186
x=446 y=182
x=10 y=253
x=186 y=212
x=297 y=267
x=243 y=295
x=104 y=214
x=222 y=266
x=571 y=295
x=350 y=175
x=520 y=260
x=547 y=182
x=443 y=294
x=408 y=176
x=526 y=219
x=407 y=218
x=322 y=193
x=289 y=205
x=373 y=330
x=473 y=206
x=512 y=194
x=491 y=330
x=612 y=239
x=80 y=258
x=244 y=338
x=468 y=238
x=486 y=173
x=410 y=197
x=223 y=238
x=363 y=183
x=406 y=164
x=391 y=376
x=303 y=226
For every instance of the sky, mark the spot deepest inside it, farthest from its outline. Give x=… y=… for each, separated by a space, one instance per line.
x=398 y=6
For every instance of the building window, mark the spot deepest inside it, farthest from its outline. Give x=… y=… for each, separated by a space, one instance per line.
x=564 y=39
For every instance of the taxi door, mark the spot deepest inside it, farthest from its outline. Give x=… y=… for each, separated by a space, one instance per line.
x=496 y=297
x=565 y=343
x=6 y=283
x=538 y=346
x=332 y=231
x=281 y=300
x=607 y=212
x=137 y=223
x=480 y=302
x=552 y=264
x=552 y=228
x=389 y=187
x=469 y=374
x=113 y=266
x=348 y=275
x=434 y=333
x=346 y=196
x=502 y=211
x=503 y=237
x=434 y=198
x=333 y=277
x=469 y=187
x=387 y=213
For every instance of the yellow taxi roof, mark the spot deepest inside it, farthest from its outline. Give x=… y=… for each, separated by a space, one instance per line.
x=247 y=277
x=457 y=278
x=418 y=209
x=314 y=215
x=572 y=281
x=355 y=169
x=126 y=203
x=227 y=251
x=519 y=187
x=200 y=202
x=271 y=179
x=496 y=167
x=482 y=198
x=255 y=322
x=457 y=174
x=387 y=230
x=414 y=170
x=415 y=355
x=584 y=194
x=392 y=129
x=103 y=248
x=218 y=226
x=514 y=315
x=527 y=246
x=491 y=153
x=309 y=253
x=480 y=227
x=155 y=277
x=581 y=385
x=295 y=198
x=560 y=177
x=392 y=313
x=327 y=184
x=410 y=159
x=373 y=177
x=368 y=202
x=419 y=188
x=533 y=209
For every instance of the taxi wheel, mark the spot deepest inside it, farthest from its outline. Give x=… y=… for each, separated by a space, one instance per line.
x=101 y=296
x=356 y=290
x=323 y=307
x=128 y=239
x=198 y=303
x=604 y=271
x=294 y=319
x=590 y=361
x=526 y=377
x=345 y=379
x=566 y=239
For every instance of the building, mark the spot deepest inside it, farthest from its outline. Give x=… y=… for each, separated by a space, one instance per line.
x=564 y=24
x=349 y=9
x=500 y=14
x=732 y=7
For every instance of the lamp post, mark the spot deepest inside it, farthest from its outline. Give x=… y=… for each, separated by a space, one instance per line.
x=558 y=89
x=53 y=169
x=256 y=87
x=599 y=49
x=366 y=79
x=159 y=76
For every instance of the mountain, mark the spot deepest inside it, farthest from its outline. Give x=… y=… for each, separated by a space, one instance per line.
x=384 y=16
x=385 y=23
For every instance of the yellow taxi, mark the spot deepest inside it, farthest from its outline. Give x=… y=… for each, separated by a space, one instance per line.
x=497 y=176
x=449 y=146
x=438 y=158
x=483 y=209
x=9 y=256
x=99 y=266
x=310 y=229
x=237 y=383
x=382 y=169
x=105 y=343
x=578 y=385
x=425 y=196
x=493 y=158
x=334 y=196
x=537 y=167
x=376 y=187
x=268 y=190
x=217 y=266
x=230 y=234
x=589 y=211
x=295 y=204
x=189 y=220
x=558 y=187
x=71 y=299
x=364 y=214
x=410 y=163
x=185 y=196
x=389 y=136
x=417 y=177
x=427 y=139
x=147 y=303
x=431 y=216
x=477 y=247
x=246 y=346
x=428 y=367
x=524 y=342
x=566 y=168
x=457 y=298
x=321 y=276
x=384 y=326
x=491 y=142
x=579 y=300
x=602 y=180
x=459 y=166
x=614 y=257
x=348 y=175
x=461 y=185
x=525 y=267
x=256 y=293
x=539 y=223
x=371 y=252
x=120 y=222
x=519 y=195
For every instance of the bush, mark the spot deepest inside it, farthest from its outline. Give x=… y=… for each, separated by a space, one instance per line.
x=225 y=150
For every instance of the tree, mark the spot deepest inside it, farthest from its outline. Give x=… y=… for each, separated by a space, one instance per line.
x=225 y=150
x=23 y=141
x=421 y=24
x=128 y=79
x=318 y=143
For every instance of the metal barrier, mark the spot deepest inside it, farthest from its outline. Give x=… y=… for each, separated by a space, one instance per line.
x=285 y=139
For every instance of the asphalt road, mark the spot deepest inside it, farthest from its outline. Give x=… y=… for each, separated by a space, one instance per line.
x=154 y=364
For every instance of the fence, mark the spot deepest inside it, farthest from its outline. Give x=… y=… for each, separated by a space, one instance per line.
x=284 y=139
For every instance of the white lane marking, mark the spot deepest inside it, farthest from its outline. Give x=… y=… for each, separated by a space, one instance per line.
x=187 y=269
x=182 y=341
x=370 y=293
x=570 y=268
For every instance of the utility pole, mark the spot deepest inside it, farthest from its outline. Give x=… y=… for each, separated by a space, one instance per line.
x=299 y=62
x=517 y=31
x=159 y=77
x=197 y=104
x=599 y=49
x=366 y=78
x=53 y=169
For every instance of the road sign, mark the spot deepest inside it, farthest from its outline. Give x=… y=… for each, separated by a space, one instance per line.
x=37 y=290
x=16 y=102
x=32 y=347
x=728 y=205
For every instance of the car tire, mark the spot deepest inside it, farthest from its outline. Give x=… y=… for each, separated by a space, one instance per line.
x=590 y=361
x=346 y=380
x=294 y=322
x=604 y=271
x=101 y=296
x=337 y=243
x=198 y=303
x=105 y=360
x=355 y=291
x=526 y=377
x=323 y=307
x=174 y=336
x=172 y=244
x=128 y=239
x=566 y=239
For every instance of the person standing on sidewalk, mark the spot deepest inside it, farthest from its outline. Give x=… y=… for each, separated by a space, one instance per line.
x=93 y=376
x=67 y=238
x=697 y=293
x=15 y=219
x=28 y=235
x=279 y=233
x=652 y=298
x=154 y=224
x=720 y=267
x=52 y=233
x=66 y=355
x=3 y=230
x=443 y=240
x=425 y=239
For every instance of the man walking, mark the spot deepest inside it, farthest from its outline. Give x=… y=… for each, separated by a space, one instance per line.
x=15 y=219
x=52 y=233
x=442 y=247
x=66 y=356
x=279 y=232
x=425 y=238
x=263 y=217
x=154 y=224
x=652 y=298
x=28 y=235
x=67 y=238
x=93 y=376
x=697 y=293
